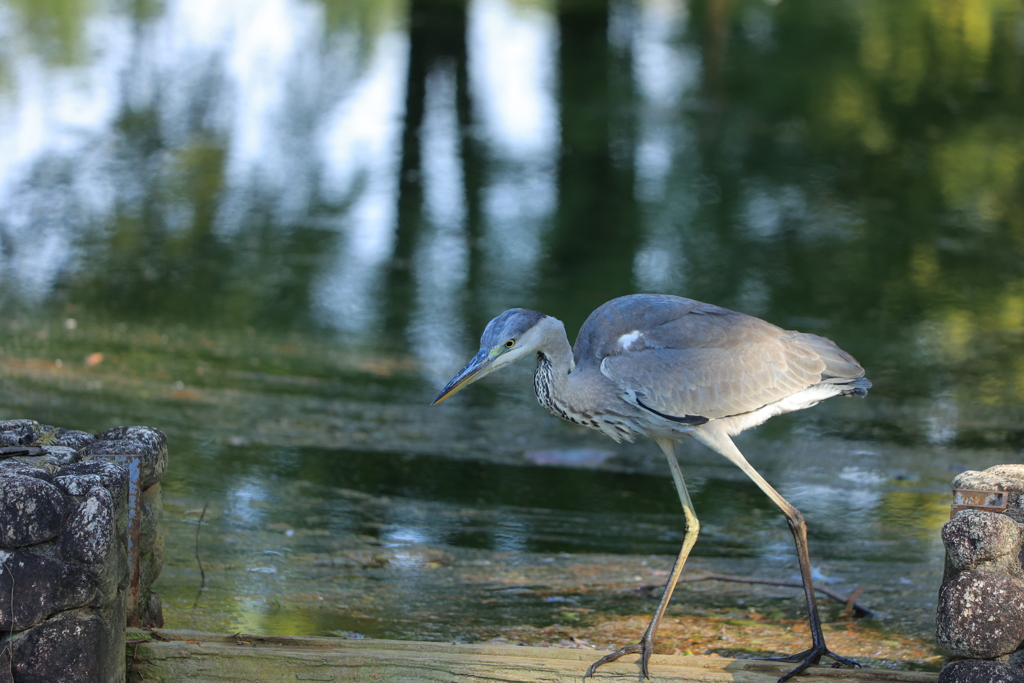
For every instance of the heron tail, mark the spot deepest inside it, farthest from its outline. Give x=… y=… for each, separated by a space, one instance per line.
x=858 y=387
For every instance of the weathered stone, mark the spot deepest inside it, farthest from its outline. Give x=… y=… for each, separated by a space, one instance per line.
x=31 y=510
x=89 y=533
x=112 y=477
x=116 y=615
x=17 y=432
x=36 y=590
x=980 y=671
x=6 y=674
x=151 y=538
x=112 y=575
x=980 y=615
x=71 y=438
x=152 y=504
x=150 y=443
x=32 y=588
x=152 y=561
x=1009 y=478
x=60 y=455
x=38 y=461
x=975 y=536
x=66 y=648
x=30 y=432
x=151 y=557
x=78 y=484
x=151 y=611
x=60 y=446
x=152 y=508
x=14 y=466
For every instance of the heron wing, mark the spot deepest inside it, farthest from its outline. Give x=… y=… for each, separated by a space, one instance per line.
x=684 y=358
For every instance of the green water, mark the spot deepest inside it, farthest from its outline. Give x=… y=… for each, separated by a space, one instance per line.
x=284 y=226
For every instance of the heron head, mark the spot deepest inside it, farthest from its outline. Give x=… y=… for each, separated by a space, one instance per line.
x=512 y=335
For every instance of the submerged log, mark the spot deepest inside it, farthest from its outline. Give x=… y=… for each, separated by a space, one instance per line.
x=163 y=656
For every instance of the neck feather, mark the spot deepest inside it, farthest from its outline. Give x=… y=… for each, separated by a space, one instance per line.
x=554 y=363
x=554 y=345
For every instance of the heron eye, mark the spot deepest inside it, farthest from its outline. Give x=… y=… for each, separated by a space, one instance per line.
x=510 y=343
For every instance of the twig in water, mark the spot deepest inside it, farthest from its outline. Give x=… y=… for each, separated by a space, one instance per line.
x=202 y=574
x=851 y=606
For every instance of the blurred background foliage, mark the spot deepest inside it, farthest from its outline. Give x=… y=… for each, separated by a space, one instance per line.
x=856 y=164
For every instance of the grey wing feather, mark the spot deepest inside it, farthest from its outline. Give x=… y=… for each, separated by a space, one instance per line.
x=681 y=357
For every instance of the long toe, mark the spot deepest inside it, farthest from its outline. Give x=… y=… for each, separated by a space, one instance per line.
x=645 y=648
x=842 y=660
x=807 y=658
x=611 y=657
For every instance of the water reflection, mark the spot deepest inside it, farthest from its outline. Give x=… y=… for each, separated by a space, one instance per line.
x=515 y=152
x=286 y=224
x=389 y=544
x=512 y=52
x=361 y=146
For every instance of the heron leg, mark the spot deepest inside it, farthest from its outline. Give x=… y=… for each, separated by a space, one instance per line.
x=717 y=439
x=645 y=648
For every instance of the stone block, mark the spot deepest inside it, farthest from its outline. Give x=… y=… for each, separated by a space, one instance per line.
x=31 y=510
x=78 y=484
x=15 y=466
x=152 y=508
x=63 y=605
x=151 y=611
x=17 y=432
x=150 y=443
x=71 y=438
x=977 y=536
x=1009 y=478
x=112 y=571
x=68 y=648
x=152 y=561
x=6 y=673
x=112 y=576
x=980 y=615
x=152 y=504
x=88 y=534
x=82 y=476
x=980 y=671
x=58 y=456
x=33 y=588
x=30 y=432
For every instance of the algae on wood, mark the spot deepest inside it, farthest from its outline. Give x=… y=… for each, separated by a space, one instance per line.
x=194 y=657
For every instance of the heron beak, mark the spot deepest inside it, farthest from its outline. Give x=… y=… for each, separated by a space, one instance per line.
x=476 y=368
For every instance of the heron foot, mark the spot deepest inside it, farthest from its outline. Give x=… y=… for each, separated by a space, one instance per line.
x=809 y=657
x=645 y=648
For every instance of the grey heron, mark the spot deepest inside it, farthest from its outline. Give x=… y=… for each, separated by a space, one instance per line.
x=667 y=367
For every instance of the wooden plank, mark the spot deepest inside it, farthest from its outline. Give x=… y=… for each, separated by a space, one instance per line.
x=165 y=656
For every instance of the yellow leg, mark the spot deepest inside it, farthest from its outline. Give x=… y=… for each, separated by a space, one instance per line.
x=645 y=648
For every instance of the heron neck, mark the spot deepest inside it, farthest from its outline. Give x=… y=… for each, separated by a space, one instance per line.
x=558 y=366
x=554 y=363
x=555 y=347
